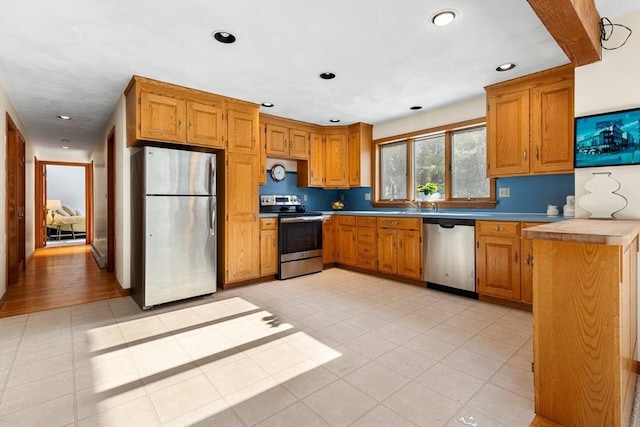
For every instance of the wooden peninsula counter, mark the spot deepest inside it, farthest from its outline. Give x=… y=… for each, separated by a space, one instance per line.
x=585 y=279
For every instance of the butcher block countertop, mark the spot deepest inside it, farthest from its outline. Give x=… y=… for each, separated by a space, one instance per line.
x=604 y=232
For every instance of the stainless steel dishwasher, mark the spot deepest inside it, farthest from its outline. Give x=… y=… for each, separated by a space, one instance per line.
x=449 y=255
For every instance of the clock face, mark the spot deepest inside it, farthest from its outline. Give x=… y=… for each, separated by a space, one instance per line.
x=278 y=172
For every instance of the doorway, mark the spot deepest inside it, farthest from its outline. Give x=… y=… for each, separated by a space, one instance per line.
x=15 y=210
x=64 y=203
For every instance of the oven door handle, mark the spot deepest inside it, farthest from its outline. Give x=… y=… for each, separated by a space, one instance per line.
x=301 y=219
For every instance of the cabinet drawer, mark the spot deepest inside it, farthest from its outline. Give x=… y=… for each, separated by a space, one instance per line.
x=366 y=235
x=327 y=219
x=346 y=220
x=367 y=263
x=400 y=223
x=268 y=223
x=502 y=228
x=367 y=251
x=366 y=221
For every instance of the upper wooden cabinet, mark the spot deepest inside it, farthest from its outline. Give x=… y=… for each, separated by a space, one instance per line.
x=205 y=123
x=336 y=158
x=360 y=141
x=242 y=128
x=262 y=155
x=285 y=138
x=162 y=112
x=530 y=124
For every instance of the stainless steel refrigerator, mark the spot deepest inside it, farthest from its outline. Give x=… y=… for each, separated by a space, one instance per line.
x=173 y=225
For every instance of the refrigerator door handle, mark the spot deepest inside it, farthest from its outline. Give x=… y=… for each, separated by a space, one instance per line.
x=212 y=176
x=212 y=215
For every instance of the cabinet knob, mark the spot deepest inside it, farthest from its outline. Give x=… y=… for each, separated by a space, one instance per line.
x=537 y=153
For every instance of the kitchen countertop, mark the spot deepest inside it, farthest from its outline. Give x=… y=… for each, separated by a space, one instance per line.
x=490 y=216
x=605 y=232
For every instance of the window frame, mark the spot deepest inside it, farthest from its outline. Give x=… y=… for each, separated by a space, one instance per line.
x=408 y=138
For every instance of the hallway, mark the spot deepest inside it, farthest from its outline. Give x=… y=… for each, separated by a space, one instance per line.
x=59 y=277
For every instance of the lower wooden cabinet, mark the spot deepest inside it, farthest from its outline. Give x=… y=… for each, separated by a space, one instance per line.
x=346 y=240
x=367 y=257
x=328 y=240
x=504 y=260
x=268 y=246
x=400 y=246
x=585 y=322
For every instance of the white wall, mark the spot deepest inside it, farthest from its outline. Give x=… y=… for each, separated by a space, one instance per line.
x=66 y=183
x=466 y=110
x=7 y=107
x=609 y=85
x=122 y=194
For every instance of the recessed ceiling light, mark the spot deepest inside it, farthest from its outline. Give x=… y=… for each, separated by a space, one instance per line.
x=64 y=117
x=416 y=107
x=334 y=120
x=506 y=66
x=267 y=104
x=444 y=17
x=223 y=37
x=327 y=76
x=65 y=147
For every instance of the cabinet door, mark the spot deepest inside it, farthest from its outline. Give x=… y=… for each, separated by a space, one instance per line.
x=354 y=159
x=205 y=124
x=162 y=118
x=410 y=254
x=268 y=252
x=242 y=129
x=526 y=277
x=346 y=247
x=316 y=160
x=298 y=144
x=262 y=155
x=336 y=161
x=552 y=127
x=277 y=141
x=328 y=241
x=242 y=227
x=498 y=266
x=508 y=134
x=387 y=253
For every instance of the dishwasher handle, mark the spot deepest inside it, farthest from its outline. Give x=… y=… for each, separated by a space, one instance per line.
x=443 y=223
x=450 y=222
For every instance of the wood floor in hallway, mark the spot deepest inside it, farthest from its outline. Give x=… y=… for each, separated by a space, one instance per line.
x=59 y=277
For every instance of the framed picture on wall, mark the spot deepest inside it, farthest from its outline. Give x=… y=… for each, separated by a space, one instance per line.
x=607 y=139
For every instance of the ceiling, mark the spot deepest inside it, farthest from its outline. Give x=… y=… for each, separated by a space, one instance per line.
x=75 y=58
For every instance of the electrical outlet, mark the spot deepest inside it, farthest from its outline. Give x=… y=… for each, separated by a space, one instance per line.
x=504 y=192
x=342 y=197
x=304 y=197
x=367 y=196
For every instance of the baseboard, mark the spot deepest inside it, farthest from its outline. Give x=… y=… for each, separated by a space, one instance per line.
x=3 y=299
x=100 y=258
x=122 y=291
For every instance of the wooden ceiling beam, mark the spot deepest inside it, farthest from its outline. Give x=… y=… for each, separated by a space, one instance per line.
x=575 y=26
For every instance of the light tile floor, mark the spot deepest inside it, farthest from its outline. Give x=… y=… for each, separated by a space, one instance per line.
x=337 y=348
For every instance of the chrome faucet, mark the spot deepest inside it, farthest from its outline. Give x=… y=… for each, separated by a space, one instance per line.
x=434 y=206
x=416 y=204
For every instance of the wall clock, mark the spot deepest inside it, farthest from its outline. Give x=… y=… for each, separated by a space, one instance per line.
x=278 y=172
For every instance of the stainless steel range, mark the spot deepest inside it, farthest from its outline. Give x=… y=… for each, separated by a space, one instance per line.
x=299 y=235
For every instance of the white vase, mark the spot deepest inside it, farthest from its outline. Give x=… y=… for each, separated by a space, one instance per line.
x=602 y=201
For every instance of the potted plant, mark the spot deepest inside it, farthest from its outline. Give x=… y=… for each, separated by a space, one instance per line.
x=428 y=189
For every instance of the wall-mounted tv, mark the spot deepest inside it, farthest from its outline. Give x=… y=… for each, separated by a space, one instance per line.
x=608 y=139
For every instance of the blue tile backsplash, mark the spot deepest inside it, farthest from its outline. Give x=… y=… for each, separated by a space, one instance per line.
x=529 y=194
